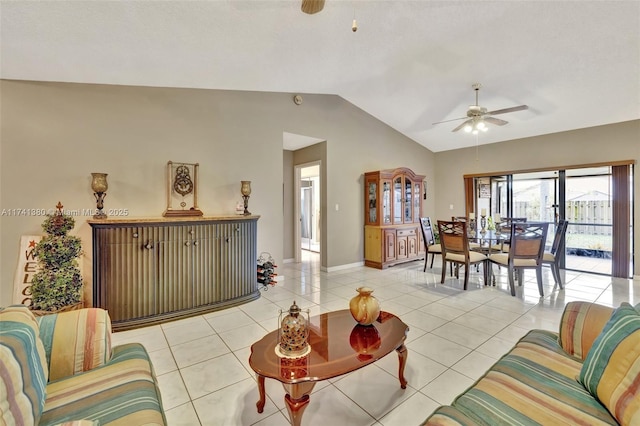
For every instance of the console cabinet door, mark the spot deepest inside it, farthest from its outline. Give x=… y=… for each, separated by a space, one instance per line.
x=236 y=273
x=130 y=266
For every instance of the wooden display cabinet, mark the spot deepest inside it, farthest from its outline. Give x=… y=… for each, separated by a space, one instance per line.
x=393 y=207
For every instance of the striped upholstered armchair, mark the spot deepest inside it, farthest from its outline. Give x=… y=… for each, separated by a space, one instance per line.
x=61 y=369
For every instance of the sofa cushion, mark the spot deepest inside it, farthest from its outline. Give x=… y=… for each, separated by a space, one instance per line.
x=446 y=415
x=121 y=392
x=75 y=341
x=580 y=325
x=533 y=384
x=611 y=370
x=22 y=367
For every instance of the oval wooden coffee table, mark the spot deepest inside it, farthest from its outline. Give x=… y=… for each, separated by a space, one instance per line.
x=338 y=346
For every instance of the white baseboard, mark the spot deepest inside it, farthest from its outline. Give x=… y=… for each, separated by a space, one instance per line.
x=292 y=260
x=341 y=267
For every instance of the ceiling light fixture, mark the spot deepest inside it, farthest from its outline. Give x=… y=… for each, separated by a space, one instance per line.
x=477 y=125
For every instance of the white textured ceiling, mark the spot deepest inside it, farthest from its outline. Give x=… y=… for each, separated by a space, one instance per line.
x=410 y=64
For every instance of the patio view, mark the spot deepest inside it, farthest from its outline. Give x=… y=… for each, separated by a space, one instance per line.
x=581 y=196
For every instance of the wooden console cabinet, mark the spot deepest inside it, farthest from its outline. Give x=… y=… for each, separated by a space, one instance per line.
x=393 y=207
x=152 y=270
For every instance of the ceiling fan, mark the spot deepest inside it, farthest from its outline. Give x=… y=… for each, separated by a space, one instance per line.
x=312 y=6
x=478 y=116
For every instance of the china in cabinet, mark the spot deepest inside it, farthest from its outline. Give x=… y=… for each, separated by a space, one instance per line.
x=393 y=207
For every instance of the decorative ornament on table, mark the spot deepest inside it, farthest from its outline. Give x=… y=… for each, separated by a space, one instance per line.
x=293 y=334
x=364 y=307
x=99 y=185
x=240 y=207
x=245 y=190
x=182 y=187
x=58 y=286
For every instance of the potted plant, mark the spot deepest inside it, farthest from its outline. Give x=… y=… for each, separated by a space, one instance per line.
x=58 y=285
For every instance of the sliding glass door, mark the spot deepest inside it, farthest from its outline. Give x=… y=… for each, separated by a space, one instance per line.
x=584 y=196
x=535 y=196
x=589 y=212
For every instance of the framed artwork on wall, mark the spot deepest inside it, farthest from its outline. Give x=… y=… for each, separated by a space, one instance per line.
x=484 y=190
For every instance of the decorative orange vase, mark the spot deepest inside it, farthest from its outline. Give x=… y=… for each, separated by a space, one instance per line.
x=364 y=308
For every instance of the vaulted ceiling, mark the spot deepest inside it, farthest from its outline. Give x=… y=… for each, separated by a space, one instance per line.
x=410 y=63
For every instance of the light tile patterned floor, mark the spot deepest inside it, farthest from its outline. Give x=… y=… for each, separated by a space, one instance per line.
x=455 y=335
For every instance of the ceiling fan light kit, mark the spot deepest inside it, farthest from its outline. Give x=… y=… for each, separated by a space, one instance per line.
x=478 y=117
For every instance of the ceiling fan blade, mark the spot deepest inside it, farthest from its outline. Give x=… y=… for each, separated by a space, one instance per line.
x=495 y=121
x=312 y=6
x=462 y=125
x=453 y=119
x=505 y=110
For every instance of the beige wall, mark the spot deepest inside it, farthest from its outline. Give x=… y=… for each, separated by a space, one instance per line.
x=53 y=135
x=584 y=146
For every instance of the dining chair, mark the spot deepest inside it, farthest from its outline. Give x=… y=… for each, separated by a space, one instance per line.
x=429 y=241
x=551 y=257
x=455 y=249
x=504 y=226
x=470 y=223
x=526 y=252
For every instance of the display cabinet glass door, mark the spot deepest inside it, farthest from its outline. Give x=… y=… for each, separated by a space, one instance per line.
x=386 y=201
x=372 y=202
x=408 y=201
x=416 y=201
x=397 y=199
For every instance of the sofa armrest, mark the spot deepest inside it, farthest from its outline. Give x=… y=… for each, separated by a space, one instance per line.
x=581 y=323
x=76 y=341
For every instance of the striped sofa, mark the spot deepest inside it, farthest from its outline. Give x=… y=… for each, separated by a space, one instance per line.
x=587 y=374
x=60 y=369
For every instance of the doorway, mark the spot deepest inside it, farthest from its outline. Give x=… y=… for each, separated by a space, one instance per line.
x=307 y=228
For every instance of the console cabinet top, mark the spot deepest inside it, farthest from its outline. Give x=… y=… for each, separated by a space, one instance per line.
x=97 y=223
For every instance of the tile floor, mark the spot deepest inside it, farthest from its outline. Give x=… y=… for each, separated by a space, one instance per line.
x=455 y=336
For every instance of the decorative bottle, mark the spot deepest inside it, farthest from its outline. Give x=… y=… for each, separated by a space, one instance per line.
x=364 y=308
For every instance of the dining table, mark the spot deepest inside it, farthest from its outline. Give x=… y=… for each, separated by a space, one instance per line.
x=487 y=241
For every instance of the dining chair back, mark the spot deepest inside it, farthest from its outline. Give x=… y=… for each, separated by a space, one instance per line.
x=505 y=222
x=526 y=252
x=551 y=257
x=455 y=249
x=504 y=226
x=429 y=241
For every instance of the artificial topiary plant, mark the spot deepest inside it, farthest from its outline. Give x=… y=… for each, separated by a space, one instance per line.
x=59 y=283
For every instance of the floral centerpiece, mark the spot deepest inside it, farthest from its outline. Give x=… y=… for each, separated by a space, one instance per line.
x=58 y=285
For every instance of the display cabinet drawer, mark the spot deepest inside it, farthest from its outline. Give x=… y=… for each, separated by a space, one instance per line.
x=405 y=232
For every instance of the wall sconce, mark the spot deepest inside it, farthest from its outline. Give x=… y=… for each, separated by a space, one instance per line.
x=245 y=189
x=99 y=186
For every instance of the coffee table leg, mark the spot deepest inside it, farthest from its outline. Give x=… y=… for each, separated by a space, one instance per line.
x=402 y=355
x=261 y=401
x=297 y=399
